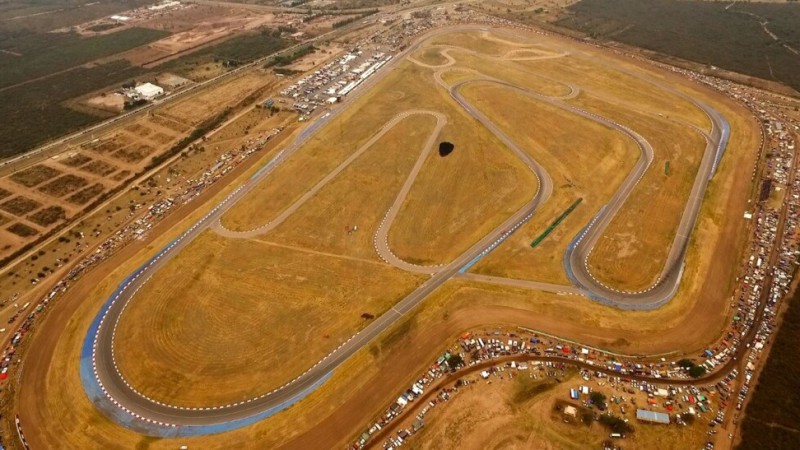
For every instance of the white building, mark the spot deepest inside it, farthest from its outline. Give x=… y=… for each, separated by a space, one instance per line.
x=149 y=91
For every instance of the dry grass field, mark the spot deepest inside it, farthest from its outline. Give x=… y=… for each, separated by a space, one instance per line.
x=212 y=101
x=431 y=56
x=459 y=198
x=599 y=77
x=478 y=42
x=584 y=159
x=359 y=196
x=516 y=73
x=227 y=312
x=627 y=258
x=55 y=410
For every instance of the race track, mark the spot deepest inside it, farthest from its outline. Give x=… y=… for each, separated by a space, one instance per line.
x=107 y=388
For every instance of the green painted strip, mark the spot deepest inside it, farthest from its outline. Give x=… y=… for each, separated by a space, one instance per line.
x=555 y=223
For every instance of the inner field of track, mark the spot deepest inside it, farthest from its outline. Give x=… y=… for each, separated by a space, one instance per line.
x=634 y=247
x=230 y=319
x=656 y=204
x=359 y=196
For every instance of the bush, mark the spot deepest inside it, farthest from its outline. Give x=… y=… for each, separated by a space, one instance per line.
x=615 y=424
x=686 y=363
x=697 y=371
x=284 y=60
x=455 y=361
x=598 y=398
x=526 y=389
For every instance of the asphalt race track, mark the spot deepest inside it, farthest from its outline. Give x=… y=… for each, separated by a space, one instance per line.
x=108 y=389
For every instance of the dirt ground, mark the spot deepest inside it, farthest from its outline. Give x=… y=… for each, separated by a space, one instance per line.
x=546 y=10
x=201 y=25
x=472 y=418
x=56 y=413
x=113 y=103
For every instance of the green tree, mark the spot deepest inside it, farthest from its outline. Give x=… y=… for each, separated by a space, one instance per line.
x=697 y=371
x=598 y=398
x=455 y=361
x=686 y=363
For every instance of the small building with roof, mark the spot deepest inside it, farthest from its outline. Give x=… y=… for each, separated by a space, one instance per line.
x=149 y=91
x=652 y=416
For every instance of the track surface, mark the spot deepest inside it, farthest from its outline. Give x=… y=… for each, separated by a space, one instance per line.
x=122 y=402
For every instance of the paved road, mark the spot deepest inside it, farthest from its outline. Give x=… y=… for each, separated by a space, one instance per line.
x=154 y=416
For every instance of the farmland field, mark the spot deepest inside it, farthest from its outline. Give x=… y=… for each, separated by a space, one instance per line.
x=49 y=53
x=20 y=205
x=705 y=32
x=34 y=16
x=43 y=99
x=236 y=50
x=35 y=175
